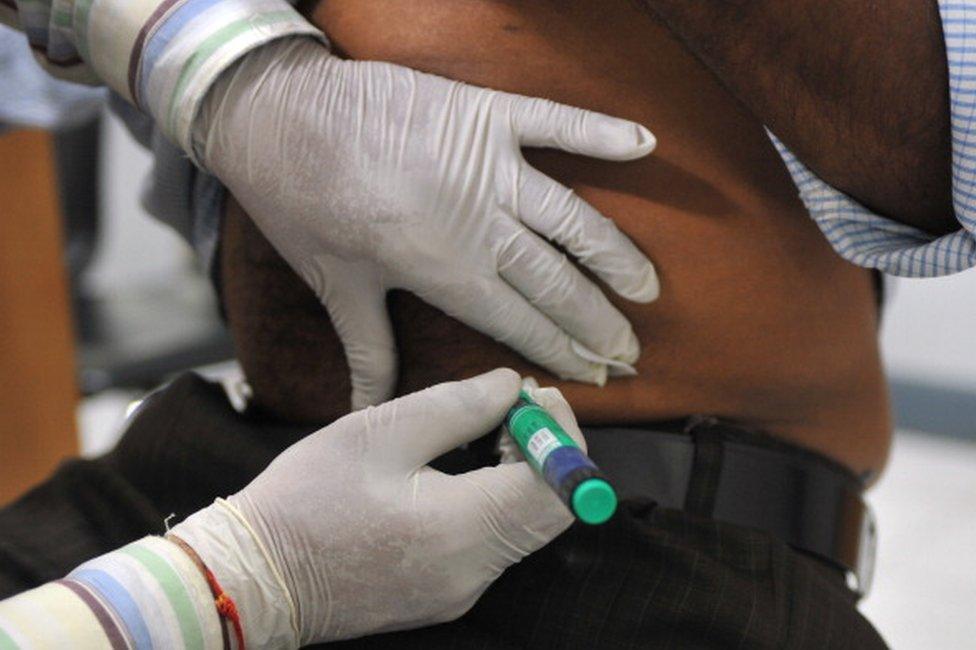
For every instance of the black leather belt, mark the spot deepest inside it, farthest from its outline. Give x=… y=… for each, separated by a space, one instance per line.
x=799 y=497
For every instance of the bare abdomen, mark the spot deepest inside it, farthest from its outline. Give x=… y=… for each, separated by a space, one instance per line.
x=758 y=320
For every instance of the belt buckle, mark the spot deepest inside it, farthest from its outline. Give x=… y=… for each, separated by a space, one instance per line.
x=862 y=576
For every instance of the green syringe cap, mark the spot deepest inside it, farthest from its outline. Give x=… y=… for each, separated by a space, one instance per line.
x=594 y=501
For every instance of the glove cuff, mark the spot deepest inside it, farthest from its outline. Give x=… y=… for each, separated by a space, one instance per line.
x=228 y=546
x=238 y=76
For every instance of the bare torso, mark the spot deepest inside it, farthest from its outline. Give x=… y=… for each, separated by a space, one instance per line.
x=758 y=320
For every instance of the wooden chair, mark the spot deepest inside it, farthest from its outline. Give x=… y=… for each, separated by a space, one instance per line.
x=38 y=393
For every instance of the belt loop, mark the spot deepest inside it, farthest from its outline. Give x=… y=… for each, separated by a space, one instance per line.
x=706 y=467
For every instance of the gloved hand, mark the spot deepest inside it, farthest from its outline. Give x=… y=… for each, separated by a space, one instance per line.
x=349 y=532
x=369 y=176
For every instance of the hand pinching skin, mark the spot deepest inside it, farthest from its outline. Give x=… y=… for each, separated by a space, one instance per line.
x=369 y=176
x=350 y=532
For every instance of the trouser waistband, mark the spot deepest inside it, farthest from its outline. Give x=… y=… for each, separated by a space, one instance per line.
x=731 y=474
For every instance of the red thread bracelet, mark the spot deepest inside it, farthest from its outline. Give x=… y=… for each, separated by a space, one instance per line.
x=225 y=606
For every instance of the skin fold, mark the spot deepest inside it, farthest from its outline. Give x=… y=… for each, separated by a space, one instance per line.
x=758 y=320
x=858 y=90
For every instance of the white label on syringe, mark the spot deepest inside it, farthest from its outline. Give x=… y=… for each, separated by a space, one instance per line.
x=542 y=443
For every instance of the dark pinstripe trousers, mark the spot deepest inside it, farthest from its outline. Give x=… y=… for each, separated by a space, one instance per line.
x=650 y=578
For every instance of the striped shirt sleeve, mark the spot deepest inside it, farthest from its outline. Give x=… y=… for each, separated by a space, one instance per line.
x=148 y=594
x=161 y=55
x=873 y=241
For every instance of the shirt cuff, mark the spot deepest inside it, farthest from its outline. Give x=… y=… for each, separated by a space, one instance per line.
x=164 y=55
x=151 y=595
x=53 y=42
x=51 y=616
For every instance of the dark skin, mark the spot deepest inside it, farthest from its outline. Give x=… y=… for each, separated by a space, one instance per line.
x=759 y=321
x=858 y=90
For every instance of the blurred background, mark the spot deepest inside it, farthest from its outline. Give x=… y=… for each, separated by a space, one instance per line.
x=113 y=303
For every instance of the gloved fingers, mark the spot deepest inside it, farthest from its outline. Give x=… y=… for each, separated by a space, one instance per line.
x=552 y=284
x=419 y=427
x=518 y=506
x=507 y=449
x=516 y=510
x=356 y=302
x=543 y=123
x=559 y=214
x=503 y=313
x=551 y=399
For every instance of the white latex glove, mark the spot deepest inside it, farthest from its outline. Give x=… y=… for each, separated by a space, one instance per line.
x=349 y=532
x=369 y=176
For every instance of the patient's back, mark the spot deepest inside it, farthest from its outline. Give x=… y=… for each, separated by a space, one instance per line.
x=758 y=320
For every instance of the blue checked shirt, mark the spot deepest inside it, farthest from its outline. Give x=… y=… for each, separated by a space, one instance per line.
x=867 y=239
